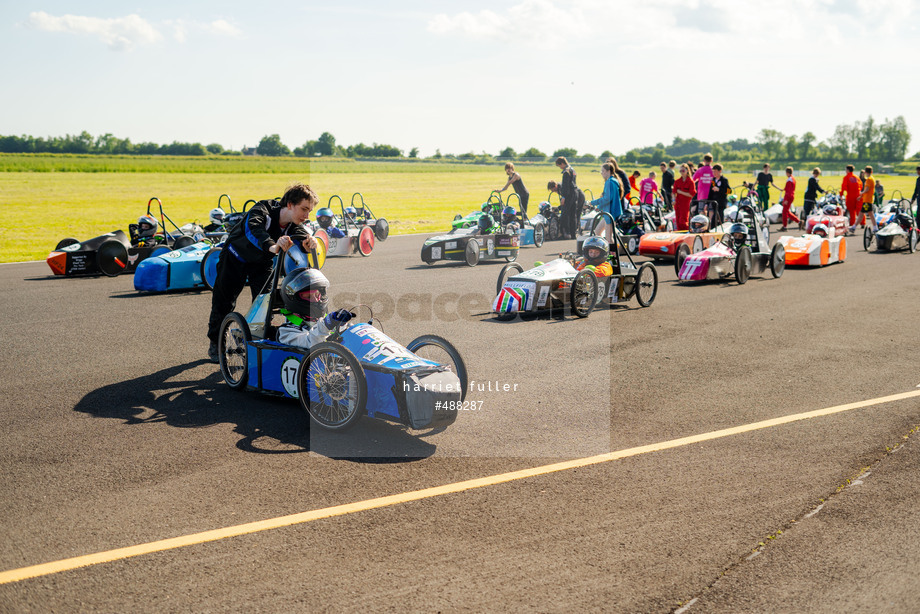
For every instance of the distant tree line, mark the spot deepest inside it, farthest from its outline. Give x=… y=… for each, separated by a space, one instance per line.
x=863 y=140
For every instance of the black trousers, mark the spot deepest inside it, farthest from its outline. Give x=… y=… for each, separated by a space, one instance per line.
x=232 y=274
x=808 y=205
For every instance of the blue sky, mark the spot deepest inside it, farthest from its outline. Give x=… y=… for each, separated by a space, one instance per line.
x=473 y=76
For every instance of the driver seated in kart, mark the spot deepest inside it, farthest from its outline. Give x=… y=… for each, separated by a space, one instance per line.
x=486 y=224
x=596 y=252
x=216 y=219
x=326 y=220
x=304 y=293
x=351 y=214
x=628 y=225
x=699 y=224
x=510 y=219
x=145 y=230
x=820 y=230
x=738 y=235
x=831 y=210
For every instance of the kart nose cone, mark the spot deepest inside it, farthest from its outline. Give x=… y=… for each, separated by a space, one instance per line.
x=58 y=262
x=152 y=275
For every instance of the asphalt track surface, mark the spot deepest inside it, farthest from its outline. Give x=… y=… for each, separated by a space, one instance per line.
x=116 y=433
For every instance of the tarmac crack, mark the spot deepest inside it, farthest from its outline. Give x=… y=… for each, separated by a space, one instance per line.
x=686 y=604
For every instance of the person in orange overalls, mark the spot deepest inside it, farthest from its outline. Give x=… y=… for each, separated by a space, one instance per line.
x=850 y=190
x=868 y=199
x=596 y=251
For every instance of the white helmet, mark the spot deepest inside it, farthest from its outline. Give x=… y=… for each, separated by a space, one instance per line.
x=217 y=216
x=820 y=230
x=699 y=223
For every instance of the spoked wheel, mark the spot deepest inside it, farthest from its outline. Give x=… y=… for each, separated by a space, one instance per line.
x=583 y=294
x=233 y=350
x=209 y=267
x=912 y=240
x=646 y=284
x=331 y=386
x=632 y=244
x=507 y=271
x=778 y=260
x=382 y=229
x=65 y=243
x=112 y=257
x=868 y=235
x=538 y=234
x=743 y=263
x=440 y=350
x=683 y=250
x=472 y=252
x=366 y=241
x=552 y=229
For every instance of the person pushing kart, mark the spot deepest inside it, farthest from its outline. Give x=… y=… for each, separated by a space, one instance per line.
x=304 y=293
x=269 y=227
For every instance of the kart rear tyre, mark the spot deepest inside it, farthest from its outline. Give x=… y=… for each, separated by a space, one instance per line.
x=683 y=250
x=382 y=229
x=454 y=360
x=332 y=386
x=65 y=243
x=472 y=252
x=233 y=350
x=743 y=263
x=912 y=240
x=507 y=271
x=583 y=294
x=778 y=260
x=552 y=229
x=322 y=235
x=868 y=235
x=646 y=284
x=112 y=257
x=365 y=241
x=538 y=235
x=183 y=241
x=209 y=267
x=632 y=245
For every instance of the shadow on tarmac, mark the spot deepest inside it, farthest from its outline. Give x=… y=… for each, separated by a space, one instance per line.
x=268 y=425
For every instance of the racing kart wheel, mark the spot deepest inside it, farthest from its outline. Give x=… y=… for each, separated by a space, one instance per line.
x=332 y=386
x=583 y=294
x=743 y=263
x=112 y=257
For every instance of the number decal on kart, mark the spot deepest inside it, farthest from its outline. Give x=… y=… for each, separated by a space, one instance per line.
x=436 y=253
x=289 y=369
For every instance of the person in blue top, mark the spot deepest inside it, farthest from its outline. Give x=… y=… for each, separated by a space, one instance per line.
x=610 y=200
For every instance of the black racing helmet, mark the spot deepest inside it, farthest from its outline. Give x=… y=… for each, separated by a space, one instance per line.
x=485 y=223
x=324 y=217
x=626 y=219
x=739 y=234
x=699 y=223
x=146 y=226
x=305 y=292
x=595 y=243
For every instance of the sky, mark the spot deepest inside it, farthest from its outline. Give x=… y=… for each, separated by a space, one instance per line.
x=474 y=76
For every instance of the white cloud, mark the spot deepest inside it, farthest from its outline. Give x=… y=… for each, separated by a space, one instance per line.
x=224 y=28
x=540 y=22
x=119 y=33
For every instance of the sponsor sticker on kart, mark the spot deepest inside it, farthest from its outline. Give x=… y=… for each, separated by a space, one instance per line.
x=529 y=286
x=173 y=254
x=490 y=246
x=289 y=369
x=451 y=245
x=614 y=293
x=544 y=296
x=436 y=252
x=70 y=248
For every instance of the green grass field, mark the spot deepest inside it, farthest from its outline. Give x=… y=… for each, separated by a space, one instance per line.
x=78 y=199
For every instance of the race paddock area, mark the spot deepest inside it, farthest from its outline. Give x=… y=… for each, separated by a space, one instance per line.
x=729 y=448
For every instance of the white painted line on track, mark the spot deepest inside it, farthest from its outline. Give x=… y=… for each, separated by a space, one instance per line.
x=687 y=606
x=44 y=569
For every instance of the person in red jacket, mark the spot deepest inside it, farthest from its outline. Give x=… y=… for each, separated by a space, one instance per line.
x=684 y=191
x=850 y=189
x=788 y=197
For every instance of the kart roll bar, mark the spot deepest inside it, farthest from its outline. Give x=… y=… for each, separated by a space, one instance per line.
x=754 y=224
x=163 y=217
x=616 y=236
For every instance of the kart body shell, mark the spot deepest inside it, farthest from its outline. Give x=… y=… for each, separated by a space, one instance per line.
x=359 y=237
x=178 y=269
x=470 y=246
x=813 y=250
x=722 y=260
x=114 y=253
x=358 y=371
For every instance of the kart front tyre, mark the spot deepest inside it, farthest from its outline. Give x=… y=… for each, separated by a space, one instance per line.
x=233 y=350
x=65 y=243
x=646 y=284
x=538 y=235
x=868 y=235
x=583 y=294
x=778 y=260
x=331 y=386
x=112 y=257
x=209 y=267
x=456 y=366
x=507 y=271
x=382 y=229
x=472 y=252
x=683 y=250
x=912 y=240
x=743 y=263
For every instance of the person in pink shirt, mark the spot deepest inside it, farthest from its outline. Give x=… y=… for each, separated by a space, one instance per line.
x=703 y=178
x=647 y=189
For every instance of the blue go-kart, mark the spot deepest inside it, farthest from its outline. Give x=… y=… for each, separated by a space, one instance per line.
x=357 y=371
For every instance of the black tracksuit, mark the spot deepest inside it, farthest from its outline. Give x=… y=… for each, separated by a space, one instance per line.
x=811 y=194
